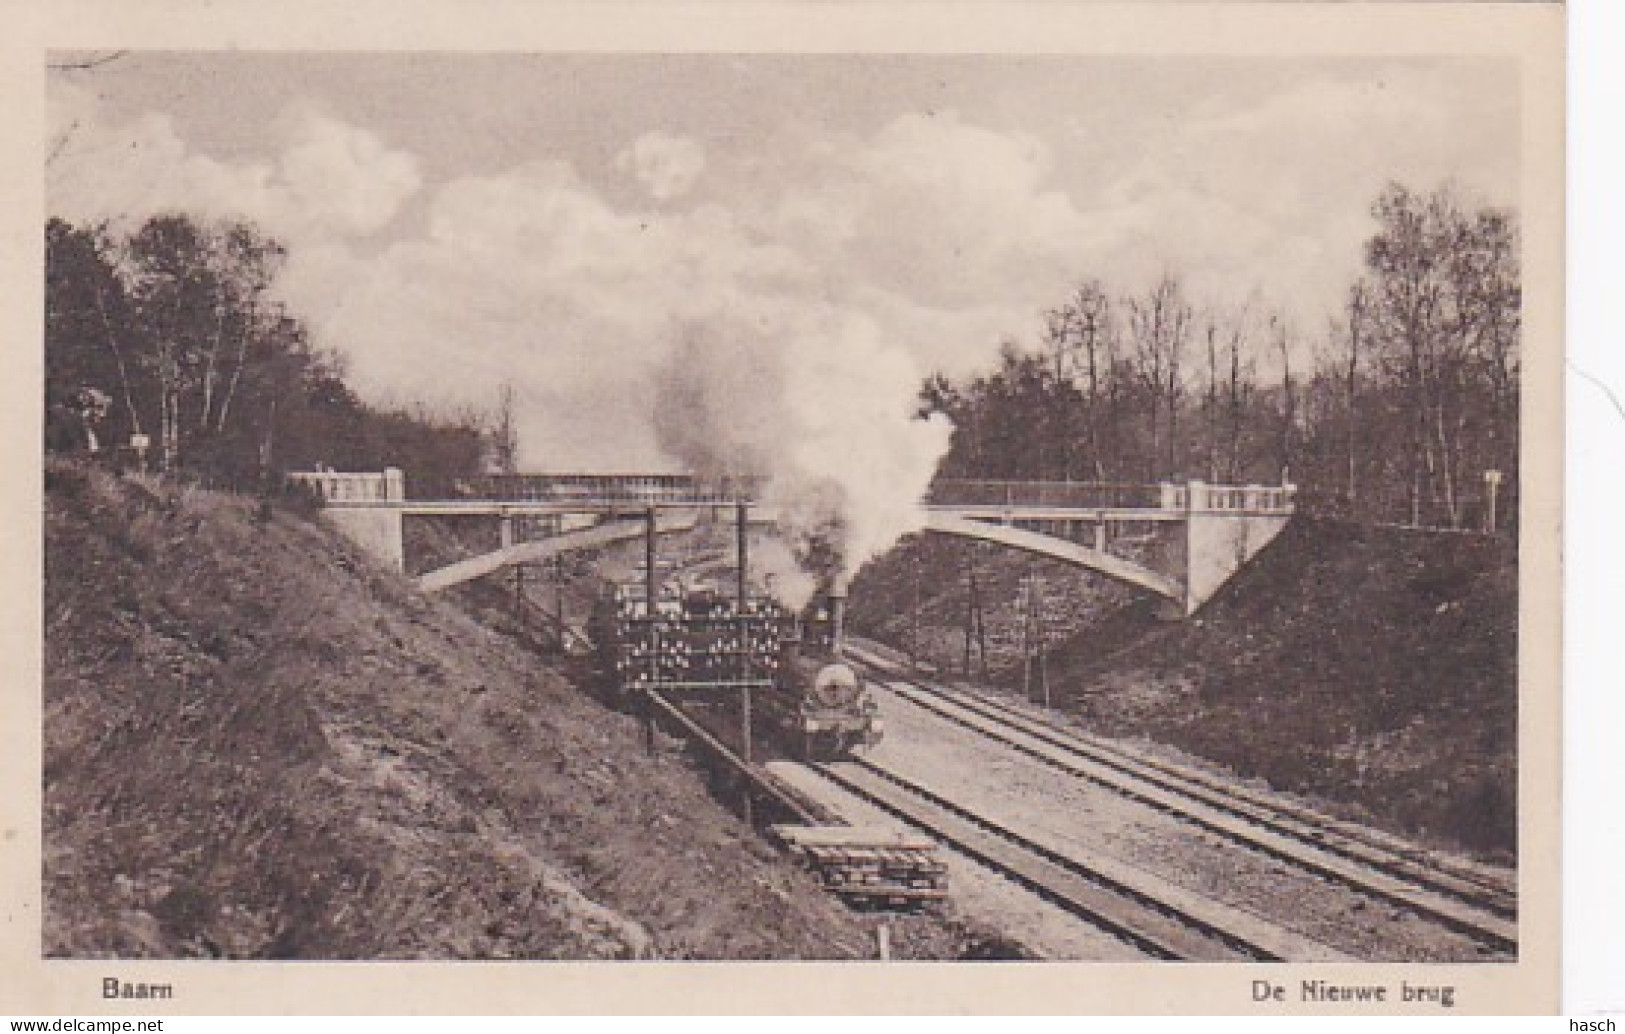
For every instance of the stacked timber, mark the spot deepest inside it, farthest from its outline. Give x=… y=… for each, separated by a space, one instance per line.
x=874 y=865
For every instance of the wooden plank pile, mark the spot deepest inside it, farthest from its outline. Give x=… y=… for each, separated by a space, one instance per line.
x=874 y=865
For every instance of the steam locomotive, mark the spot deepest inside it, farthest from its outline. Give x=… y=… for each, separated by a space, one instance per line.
x=694 y=642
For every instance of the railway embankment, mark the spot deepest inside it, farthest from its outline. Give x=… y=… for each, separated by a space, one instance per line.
x=258 y=744
x=1373 y=670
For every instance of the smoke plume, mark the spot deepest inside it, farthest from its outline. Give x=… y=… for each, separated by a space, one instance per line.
x=816 y=405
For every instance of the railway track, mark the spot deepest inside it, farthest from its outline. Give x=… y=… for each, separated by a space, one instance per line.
x=787 y=798
x=1164 y=921
x=1479 y=907
x=1160 y=919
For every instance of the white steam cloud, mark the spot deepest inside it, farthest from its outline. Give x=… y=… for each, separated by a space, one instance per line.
x=815 y=402
x=782 y=573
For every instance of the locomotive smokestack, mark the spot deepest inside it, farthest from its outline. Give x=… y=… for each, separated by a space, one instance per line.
x=742 y=546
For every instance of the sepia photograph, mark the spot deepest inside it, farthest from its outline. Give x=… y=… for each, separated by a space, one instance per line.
x=843 y=506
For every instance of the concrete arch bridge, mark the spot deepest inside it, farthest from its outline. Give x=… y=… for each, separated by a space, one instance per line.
x=1180 y=542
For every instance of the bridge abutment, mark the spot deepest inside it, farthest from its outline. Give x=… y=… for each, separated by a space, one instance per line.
x=378 y=531
x=1225 y=527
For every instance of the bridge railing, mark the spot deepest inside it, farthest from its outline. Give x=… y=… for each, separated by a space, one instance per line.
x=1240 y=498
x=1069 y=495
x=335 y=486
x=590 y=489
x=1095 y=495
x=599 y=490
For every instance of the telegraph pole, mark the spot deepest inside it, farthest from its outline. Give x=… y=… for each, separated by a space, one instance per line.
x=1034 y=666
x=558 y=584
x=975 y=618
x=650 y=588
x=1043 y=635
x=1027 y=637
x=970 y=611
x=914 y=634
x=742 y=545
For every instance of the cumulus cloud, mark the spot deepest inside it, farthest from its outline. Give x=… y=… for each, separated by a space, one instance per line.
x=328 y=180
x=338 y=178
x=939 y=211
x=1273 y=196
x=667 y=166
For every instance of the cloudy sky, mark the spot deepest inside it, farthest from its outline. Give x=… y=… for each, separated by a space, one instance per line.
x=596 y=229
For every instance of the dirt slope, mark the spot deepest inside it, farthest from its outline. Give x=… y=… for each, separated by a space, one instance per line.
x=259 y=745
x=1372 y=668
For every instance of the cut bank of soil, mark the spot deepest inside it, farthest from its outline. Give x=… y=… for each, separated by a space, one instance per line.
x=258 y=744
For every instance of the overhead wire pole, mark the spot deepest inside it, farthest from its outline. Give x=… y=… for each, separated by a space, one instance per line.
x=1034 y=667
x=509 y=535
x=650 y=587
x=742 y=579
x=981 y=613
x=914 y=634
x=970 y=610
x=558 y=587
x=1027 y=637
x=1040 y=618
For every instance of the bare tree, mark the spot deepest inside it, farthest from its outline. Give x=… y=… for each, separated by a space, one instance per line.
x=1159 y=325
x=1240 y=390
x=1358 y=304
x=505 y=433
x=1444 y=301
x=193 y=299
x=1082 y=339
x=1281 y=338
x=243 y=264
x=1210 y=399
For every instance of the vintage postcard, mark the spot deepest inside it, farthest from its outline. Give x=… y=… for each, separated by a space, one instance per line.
x=529 y=508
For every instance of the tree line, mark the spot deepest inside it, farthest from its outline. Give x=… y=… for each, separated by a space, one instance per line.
x=166 y=345
x=1402 y=408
